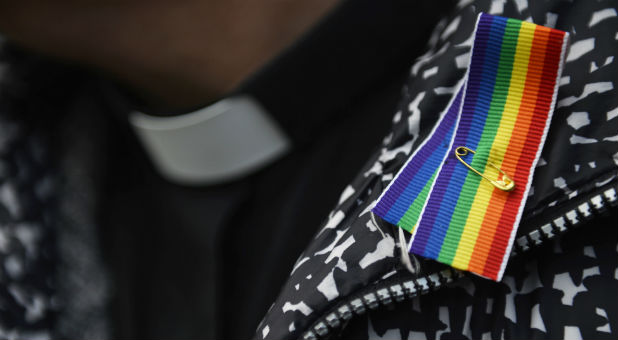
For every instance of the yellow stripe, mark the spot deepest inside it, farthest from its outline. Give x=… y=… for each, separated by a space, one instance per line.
x=498 y=149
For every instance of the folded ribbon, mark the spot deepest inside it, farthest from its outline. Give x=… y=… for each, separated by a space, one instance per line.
x=462 y=192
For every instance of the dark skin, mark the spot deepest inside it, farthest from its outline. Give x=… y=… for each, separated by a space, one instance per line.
x=174 y=53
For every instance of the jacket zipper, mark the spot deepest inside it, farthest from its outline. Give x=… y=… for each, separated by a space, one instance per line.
x=385 y=294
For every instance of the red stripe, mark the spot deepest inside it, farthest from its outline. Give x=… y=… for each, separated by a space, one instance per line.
x=497 y=204
x=548 y=81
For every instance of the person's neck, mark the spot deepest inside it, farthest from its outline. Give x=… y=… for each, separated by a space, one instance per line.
x=172 y=53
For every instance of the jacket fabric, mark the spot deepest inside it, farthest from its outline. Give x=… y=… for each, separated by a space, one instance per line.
x=350 y=279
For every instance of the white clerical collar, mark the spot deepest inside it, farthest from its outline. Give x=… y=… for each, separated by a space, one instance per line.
x=221 y=142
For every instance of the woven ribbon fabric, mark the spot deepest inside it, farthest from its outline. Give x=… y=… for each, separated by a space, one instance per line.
x=452 y=206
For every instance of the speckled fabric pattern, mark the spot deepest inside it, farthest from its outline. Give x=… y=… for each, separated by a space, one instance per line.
x=52 y=282
x=560 y=292
x=27 y=233
x=580 y=155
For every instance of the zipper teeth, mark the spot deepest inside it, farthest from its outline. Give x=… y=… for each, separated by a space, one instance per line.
x=386 y=295
x=595 y=205
x=396 y=292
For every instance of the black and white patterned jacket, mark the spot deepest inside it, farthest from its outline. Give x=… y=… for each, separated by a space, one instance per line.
x=350 y=281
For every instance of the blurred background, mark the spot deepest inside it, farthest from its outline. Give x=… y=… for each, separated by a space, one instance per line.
x=97 y=240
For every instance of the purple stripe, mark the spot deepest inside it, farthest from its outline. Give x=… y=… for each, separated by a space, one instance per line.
x=427 y=162
x=409 y=183
x=478 y=116
x=475 y=75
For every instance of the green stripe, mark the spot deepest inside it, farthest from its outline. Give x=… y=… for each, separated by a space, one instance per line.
x=479 y=160
x=410 y=218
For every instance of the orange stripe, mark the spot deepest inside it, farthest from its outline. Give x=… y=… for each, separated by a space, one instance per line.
x=542 y=110
x=499 y=198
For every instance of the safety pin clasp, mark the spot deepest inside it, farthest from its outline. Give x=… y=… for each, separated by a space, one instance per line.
x=505 y=183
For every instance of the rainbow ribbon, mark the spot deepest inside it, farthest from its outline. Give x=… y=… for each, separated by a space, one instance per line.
x=502 y=112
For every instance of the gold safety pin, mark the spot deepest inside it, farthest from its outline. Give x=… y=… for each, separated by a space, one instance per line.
x=506 y=183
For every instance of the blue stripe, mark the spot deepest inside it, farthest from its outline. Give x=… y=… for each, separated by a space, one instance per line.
x=439 y=142
x=477 y=116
